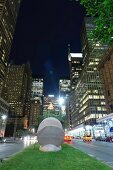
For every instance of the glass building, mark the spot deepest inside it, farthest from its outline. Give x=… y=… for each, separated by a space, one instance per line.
x=88 y=101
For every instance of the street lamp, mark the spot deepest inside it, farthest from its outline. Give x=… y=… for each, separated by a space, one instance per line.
x=4 y=117
x=61 y=100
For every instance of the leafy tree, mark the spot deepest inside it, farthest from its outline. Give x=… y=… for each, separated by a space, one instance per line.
x=57 y=115
x=19 y=133
x=39 y=119
x=102 y=10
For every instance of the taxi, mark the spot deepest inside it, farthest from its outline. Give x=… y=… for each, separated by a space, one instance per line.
x=68 y=138
x=87 y=138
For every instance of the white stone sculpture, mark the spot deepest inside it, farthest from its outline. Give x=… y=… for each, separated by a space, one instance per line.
x=50 y=134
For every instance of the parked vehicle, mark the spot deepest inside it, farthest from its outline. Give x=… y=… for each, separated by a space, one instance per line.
x=68 y=138
x=109 y=139
x=77 y=137
x=100 y=138
x=87 y=138
x=2 y=140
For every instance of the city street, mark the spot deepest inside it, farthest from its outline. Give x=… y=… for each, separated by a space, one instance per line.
x=8 y=149
x=101 y=150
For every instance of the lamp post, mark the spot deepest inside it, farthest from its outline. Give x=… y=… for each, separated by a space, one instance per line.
x=61 y=101
x=62 y=109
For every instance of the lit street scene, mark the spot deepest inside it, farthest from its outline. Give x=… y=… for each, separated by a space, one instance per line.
x=101 y=150
x=11 y=147
x=56 y=85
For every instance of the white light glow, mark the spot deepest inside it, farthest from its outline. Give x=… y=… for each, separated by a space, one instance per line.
x=63 y=108
x=50 y=95
x=77 y=55
x=4 y=117
x=61 y=100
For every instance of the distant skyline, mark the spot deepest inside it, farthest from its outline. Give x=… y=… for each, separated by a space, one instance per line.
x=43 y=32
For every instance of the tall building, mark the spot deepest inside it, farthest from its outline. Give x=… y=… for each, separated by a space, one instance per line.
x=35 y=112
x=64 y=87
x=36 y=101
x=50 y=103
x=64 y=92
x=106 y=72
x=88 y=97
x=8 y=16
x=17 y=91
x=37 y=88
x=75 y=64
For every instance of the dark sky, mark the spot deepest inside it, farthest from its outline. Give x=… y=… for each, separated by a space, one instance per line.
x=44 y=29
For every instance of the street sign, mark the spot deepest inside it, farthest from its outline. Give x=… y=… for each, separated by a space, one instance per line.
x=111 y=129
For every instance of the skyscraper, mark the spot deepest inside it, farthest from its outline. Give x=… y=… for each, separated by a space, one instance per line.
x=64 y=87
x=106 y=71
x=8 y=16
x=36 y=101
x=75 y=64
x=17 y=91
x=37 y=88
x=88 y=98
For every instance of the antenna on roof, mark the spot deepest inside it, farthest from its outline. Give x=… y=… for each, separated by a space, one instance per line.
x=68 y=49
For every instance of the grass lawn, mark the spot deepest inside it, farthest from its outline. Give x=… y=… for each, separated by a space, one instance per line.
x=66 y=159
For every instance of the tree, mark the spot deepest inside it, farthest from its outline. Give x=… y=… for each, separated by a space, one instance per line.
x=102 y=10
x=39 y=119
x=20 y=132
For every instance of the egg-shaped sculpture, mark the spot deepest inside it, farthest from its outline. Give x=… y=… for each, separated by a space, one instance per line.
x=50 y=132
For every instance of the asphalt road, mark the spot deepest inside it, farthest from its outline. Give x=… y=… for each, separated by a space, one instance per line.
x=101 y=150
x=8 y=149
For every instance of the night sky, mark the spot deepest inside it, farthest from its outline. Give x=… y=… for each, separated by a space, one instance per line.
x=43 y=31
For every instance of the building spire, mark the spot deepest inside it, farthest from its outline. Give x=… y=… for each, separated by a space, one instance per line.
x=68 y=49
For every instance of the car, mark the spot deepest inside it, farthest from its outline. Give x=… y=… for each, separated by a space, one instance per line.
x=100 y=138
x=109 y=139
x=67 y=138
x=2 y=140
x=77 y=137
x=87 y=138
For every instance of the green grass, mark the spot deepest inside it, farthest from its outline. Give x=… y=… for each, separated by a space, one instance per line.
x=66 y=159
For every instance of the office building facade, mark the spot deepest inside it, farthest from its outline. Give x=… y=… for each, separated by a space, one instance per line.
x=17 y=92
x=36 y=101
x=64 y=87
x=88 y=98
x=105 y=68
x=37 y=88
x=75 y=64
x=8 y=16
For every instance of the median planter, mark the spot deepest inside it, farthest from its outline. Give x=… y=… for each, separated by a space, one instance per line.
x=68 y=158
